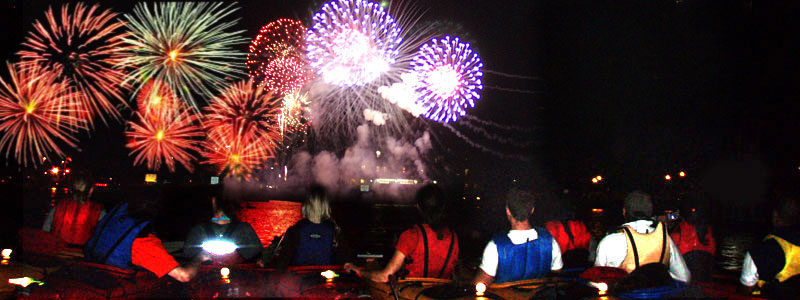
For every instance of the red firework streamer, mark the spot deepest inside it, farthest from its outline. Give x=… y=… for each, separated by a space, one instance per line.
x=157 y=101
x=242 y=127
x=37 y=113
x=156 y=140
x=277 y=56
x=83 y=47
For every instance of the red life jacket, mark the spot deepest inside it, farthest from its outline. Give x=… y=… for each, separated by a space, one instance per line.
x=74 y=222
x=686 y=239
x=580 y=236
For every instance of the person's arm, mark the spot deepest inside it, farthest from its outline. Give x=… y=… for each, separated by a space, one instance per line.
x=677 y=266
x=488 y=268
x=380 y=275
x=186 y=272
x=48 y=222
x=749 y=277
x=556 y=264
x=288 y=247
x=249 y=245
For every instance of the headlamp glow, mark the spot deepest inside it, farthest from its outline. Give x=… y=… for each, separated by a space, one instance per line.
x=218 y=247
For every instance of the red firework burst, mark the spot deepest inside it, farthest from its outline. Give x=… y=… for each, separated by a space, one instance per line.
x=157 y=101
x=154 y=140
x=83 y=47
x=37 y=113
x=277 y=56
x=242 y=127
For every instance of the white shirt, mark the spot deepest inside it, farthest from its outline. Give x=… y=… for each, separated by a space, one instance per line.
x=749 y=275
x=614 y=247
x=490 y=255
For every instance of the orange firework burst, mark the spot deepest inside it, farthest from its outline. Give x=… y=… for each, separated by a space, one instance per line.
x=84 y=48
x=165 y=139
x=242 y=127
x=277 y=56
x=37 y=112
x=156 y=101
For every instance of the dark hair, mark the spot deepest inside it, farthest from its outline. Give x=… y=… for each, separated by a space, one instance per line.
x=431 y=202
x=520 y=203
x=144 y=202
x=787 y=210
x=638 y=206
x=228 y=205
x=695 y=212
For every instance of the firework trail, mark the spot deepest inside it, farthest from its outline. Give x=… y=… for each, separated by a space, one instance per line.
x=352 y=42
x=167 y=140
x=83 y=47
x=482 y=147
x=512 y=90
x=242 y=127
x=449 y=76
x=185 y=45
x=497 y=125
x=512 y=75
x=277 y=56
x=491 y=136
x=37 y=113
x=295 y=114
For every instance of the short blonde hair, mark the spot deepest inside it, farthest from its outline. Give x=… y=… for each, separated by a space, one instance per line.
x=316 y=208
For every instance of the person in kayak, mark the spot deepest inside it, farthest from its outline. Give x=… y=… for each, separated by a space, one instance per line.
x=572 y=236
x=776 y=259
x=124 y=239
x=425 y=250
x=525 y=252
x=223 y=225
x=314 y=239
x=694 y=237
x=74 y=219
x=641 y=241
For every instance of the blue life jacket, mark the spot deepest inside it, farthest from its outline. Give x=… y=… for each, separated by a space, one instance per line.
x=112 y=240
x=528 y=260
x=315 y=246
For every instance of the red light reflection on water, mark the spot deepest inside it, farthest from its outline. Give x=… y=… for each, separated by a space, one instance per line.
x=270 y=219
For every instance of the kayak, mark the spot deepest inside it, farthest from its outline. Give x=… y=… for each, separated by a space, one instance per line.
x=434 y=288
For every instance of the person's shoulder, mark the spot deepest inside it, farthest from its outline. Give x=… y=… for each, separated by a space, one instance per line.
x=611 y=238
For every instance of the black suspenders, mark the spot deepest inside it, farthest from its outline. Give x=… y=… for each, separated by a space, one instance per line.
x=636 y=253
x=449 y=251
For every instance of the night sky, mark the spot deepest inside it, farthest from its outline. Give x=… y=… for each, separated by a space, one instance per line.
x=631 y=90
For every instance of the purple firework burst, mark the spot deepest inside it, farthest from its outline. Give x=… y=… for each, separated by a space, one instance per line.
x=352 y=42
x=448 y=75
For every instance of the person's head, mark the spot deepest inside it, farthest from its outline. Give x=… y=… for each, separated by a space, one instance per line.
x=638 y=206
x=431 y=203
x=519 y=205
x=82 y=186
x=786 y=212
x=316 y=207
x=144 y=202
x=221 y=203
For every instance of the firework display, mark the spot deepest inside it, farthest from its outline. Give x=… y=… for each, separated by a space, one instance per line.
x=242 y=127
x=82 y=46
x=167 y=140
x=185 y=45
x=449 y=77
x=352 y=42
x=277 y=56
x=37 y=113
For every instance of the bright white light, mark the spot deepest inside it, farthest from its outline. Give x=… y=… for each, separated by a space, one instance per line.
x=6 y=253
x=219 y=247
x=444 y=81
x=224 y=272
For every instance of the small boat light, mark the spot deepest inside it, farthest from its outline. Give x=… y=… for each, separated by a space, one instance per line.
x=218 y=247
x=24 y=281
x=6 y=253
x=329 y=275
x=480 y=289
x=602 y=288
x=224 y=272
